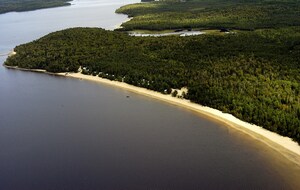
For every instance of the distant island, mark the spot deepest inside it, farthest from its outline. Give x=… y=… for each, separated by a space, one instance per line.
x=246 y=63
x=211 y=14
x=29 y=5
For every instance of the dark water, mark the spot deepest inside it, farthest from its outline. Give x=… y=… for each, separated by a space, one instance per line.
x=62 y=133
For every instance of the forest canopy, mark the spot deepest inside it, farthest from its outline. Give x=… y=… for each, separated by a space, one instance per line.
x=212 y=14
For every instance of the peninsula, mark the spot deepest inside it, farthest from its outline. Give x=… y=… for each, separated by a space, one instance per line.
x=251 y=73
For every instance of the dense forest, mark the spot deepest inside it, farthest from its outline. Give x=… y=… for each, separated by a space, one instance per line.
x=252 y=74
x=211 y=14
x=28 y=5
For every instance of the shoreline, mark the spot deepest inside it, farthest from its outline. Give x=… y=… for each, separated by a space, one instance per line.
x=119 y=26
x=283 y=145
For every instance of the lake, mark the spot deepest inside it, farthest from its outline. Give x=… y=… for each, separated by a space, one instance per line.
x=63 y=133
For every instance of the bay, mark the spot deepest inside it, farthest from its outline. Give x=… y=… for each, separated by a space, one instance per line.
x=63 y=133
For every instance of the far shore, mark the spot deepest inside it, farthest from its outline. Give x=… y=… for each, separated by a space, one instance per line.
x=284 y=145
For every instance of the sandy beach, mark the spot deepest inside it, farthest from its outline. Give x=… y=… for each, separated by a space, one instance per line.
x=120 y=25
x=284 y=145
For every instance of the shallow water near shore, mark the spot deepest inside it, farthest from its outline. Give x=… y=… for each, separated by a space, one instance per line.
x=63 y=133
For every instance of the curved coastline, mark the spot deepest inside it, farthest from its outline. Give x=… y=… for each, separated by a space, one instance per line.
x=283 y=145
